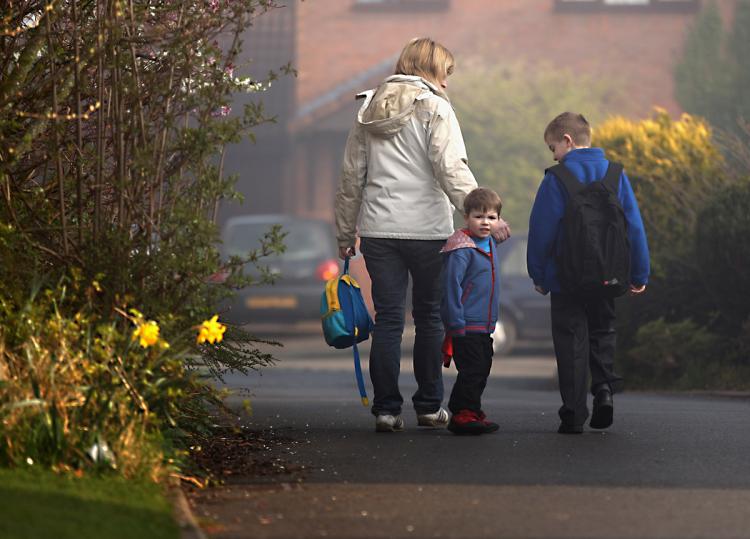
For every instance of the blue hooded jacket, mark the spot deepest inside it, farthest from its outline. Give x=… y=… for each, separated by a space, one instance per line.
x=471 y=292
x=588 y=165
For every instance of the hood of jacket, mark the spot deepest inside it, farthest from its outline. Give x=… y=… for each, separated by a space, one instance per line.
x=389 y=107
x=460 y=239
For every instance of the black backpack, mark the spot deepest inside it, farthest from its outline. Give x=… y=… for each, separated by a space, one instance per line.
x=593 y=254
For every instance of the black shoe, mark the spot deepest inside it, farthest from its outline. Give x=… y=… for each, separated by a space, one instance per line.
x=604 y=409
x=570 y=429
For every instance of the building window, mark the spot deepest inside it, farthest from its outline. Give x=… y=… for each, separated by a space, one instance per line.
x=627 y=6
x=401 y=5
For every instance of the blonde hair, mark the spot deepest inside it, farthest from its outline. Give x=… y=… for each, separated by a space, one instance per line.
x=426 y=58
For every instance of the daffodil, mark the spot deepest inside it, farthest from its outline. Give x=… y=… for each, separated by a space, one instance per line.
x=211 y=330
x=147 y=333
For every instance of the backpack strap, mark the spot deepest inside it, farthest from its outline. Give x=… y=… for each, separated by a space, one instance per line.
x=612 y=178
x=571 y=184
x=355 y=350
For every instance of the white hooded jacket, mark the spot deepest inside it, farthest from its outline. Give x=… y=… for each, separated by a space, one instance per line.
x=404 y=165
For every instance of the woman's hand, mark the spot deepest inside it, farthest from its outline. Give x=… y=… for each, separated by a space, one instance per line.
x=347 y=252
x=500 y=230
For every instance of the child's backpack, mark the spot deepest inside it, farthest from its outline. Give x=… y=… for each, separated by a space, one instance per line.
x=593 y=257
x=345 y=319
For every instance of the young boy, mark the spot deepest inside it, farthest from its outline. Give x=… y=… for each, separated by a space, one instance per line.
x=583 y=329
x=471 y=301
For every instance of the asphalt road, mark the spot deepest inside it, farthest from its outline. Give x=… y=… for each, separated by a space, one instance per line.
x=672 y=466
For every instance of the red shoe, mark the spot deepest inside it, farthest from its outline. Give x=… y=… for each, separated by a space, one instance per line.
x=466 y=422
x=489 y=426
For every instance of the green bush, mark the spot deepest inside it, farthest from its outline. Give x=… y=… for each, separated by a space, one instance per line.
x=712 y=77
x=723 y=251
x=503 y=110
x=686 y=330
x=684 y=355
x=672 y=354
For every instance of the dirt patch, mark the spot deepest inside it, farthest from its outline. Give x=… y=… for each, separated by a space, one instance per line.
x=233 y=463
x=247 y=453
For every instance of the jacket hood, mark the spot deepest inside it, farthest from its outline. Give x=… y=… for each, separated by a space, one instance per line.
x=390 y=106
x=458 y=240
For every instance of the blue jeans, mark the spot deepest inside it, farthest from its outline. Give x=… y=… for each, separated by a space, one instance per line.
x=389 y=263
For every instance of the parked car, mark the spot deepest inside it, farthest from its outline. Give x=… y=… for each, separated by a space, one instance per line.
x=310 y=259
x=524 y=313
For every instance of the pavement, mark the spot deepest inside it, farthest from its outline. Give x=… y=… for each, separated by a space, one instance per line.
x=672 y=466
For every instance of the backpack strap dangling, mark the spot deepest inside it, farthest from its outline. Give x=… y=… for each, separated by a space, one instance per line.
x=355 y=350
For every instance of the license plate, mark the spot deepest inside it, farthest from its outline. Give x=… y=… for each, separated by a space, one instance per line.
x=272 y=302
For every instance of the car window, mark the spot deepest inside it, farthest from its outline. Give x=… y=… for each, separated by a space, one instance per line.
x=304 y=239
x=514 y=263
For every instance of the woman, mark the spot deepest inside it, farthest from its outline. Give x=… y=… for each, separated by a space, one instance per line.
x=404 y=165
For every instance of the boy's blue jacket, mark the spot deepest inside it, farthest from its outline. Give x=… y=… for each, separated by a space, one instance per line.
x=588 y=165
x=471 y=292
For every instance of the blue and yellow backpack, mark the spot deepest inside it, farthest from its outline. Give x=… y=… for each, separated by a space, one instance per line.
x=345 y=319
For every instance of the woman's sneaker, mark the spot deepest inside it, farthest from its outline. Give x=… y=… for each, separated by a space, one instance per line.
x=437 y=419
x=389 y=423
x=466 y=422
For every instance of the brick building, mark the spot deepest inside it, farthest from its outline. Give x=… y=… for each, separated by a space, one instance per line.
x=342 y=46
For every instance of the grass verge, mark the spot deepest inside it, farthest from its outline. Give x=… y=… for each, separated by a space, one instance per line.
x=38 y=504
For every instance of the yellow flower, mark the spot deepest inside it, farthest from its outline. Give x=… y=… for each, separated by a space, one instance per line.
x=147 y=332
x=211 y=330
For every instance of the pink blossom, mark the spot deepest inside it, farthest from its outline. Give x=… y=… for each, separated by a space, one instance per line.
x=223 y=111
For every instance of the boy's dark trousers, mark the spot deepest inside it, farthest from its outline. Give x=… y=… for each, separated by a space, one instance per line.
x=583 y=332
x=472 y=354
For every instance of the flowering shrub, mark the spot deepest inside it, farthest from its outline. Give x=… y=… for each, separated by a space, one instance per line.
x=114 y=120
x=81 y=391
x=74 y=383
x=674 y=167
x=690 y=329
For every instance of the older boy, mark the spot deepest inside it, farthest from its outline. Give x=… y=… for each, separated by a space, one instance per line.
x=583 y=328
x=471 y=301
